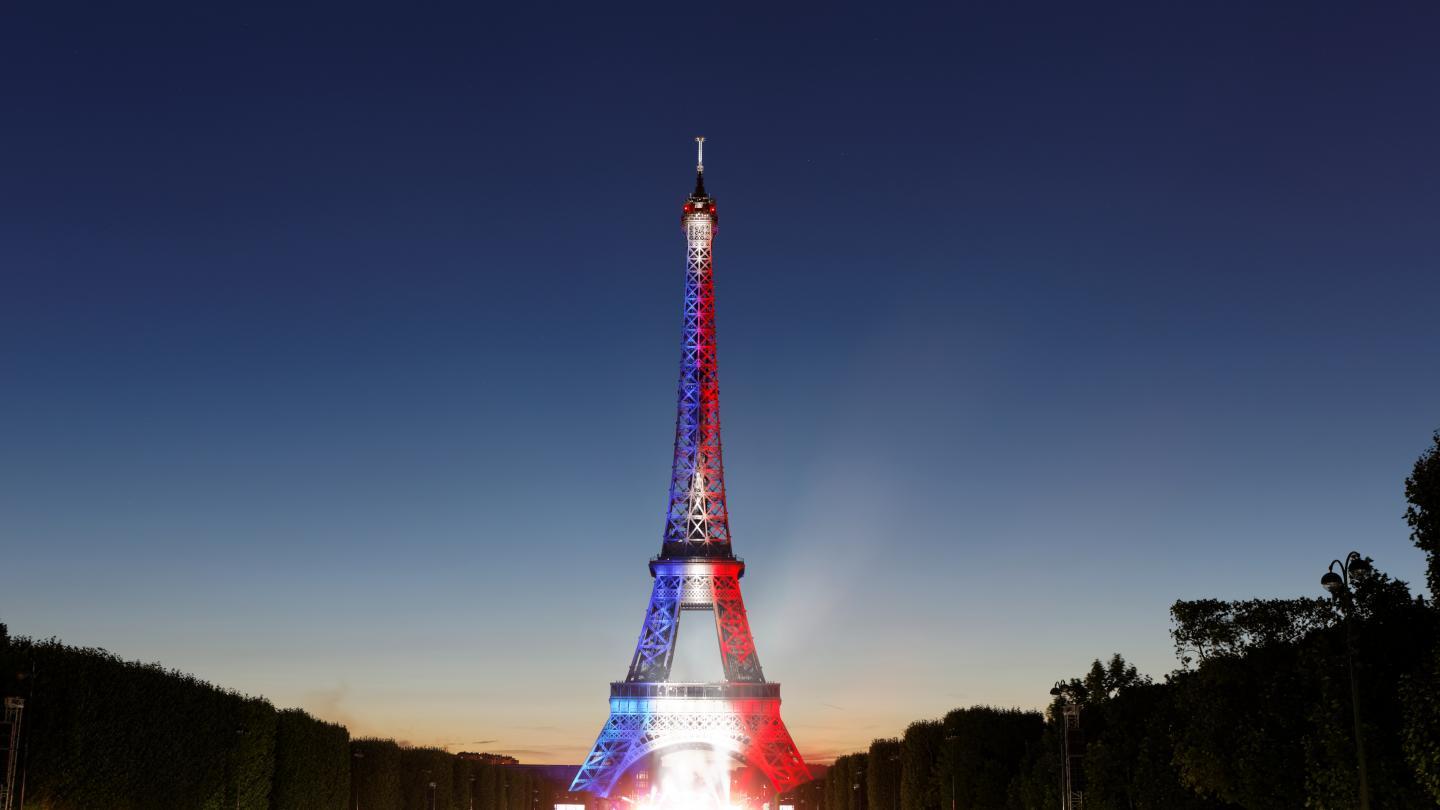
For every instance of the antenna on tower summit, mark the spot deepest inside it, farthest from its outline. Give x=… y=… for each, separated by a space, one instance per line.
x=700 y=153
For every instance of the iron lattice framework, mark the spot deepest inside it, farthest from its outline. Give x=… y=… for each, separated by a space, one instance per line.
x=696 y=522
x=10 y=740
x=696 y=570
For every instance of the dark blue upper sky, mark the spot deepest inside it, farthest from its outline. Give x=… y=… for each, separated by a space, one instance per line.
x=338 y=341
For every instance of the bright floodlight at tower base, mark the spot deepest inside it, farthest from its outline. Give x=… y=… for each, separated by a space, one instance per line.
x=687 y=746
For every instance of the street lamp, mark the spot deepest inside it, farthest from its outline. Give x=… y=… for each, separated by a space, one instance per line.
x=355 y=757
x=1338 y=584
x=952 y=738
x=1071 y=798
x=234 y=771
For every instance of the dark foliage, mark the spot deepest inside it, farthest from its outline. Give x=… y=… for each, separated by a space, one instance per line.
x=423 y=772
x=1212 y=628
x=103 y=732
x=985 y=750
x=375 y=776
x=882 y=775
x=1422 y=491
x=312 y=764
x=919 y=749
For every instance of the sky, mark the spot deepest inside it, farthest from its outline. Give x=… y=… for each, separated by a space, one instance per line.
x=338 y=342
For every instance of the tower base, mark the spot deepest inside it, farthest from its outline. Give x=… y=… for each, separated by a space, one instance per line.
x=739 y=719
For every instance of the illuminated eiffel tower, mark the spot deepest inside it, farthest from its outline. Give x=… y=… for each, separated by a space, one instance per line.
x=696 y=570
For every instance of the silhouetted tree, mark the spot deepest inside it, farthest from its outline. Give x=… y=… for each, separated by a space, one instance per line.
x=461 y=771
x=1129 y=759
x=919 y=749
x=882 y=769
x=845 y=786
x=806 y=796
x=1264 y=720
x=419 y=768
x=312 y=764
x=985 y=750
x=1211 y=628
x=376 y=777
x=1422 y=491
x=1420 y=694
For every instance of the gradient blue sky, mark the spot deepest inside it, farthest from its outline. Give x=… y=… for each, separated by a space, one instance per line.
x=338 y=342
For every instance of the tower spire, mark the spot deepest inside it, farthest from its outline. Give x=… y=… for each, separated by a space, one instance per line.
x=696 y=521
x=699 y=167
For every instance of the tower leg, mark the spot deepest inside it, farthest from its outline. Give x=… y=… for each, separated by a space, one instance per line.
x=737 y=646
x=655 y=651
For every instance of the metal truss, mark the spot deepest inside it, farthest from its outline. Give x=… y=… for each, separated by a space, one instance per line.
x=695 y=585
x=696 y=570
x=696 y=521
x=9 y=753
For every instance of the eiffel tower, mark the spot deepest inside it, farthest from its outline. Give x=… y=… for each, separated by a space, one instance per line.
x=696 y=570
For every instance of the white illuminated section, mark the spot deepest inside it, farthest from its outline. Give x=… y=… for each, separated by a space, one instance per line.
x=569 y=807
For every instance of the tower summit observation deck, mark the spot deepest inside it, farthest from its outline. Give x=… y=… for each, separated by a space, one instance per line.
x=696 y=570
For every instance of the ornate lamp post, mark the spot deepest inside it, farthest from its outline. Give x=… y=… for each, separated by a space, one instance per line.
x=1338 y=584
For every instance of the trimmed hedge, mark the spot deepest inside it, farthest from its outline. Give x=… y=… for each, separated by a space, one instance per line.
x=418 y=768
x=104 y=732
x=312 y=764
x=376 y=765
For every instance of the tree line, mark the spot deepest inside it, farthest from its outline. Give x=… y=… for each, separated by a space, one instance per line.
x=98 y=731
x=1258 y=714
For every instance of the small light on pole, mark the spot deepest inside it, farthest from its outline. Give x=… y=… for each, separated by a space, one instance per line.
x=952 y=738
x=355 y=757
x=239 y=732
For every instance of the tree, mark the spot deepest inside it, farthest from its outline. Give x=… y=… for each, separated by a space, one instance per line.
x=312 y=764
x=806 y=796
x=462 y=785
x=419 y=769
x=882 y=769
x=1265 y=718
x=1129 y=759
x=1422 y=491
x=845 y=783
x=377 y=774
x=919 y=749
x=1212 y=628
x=1420 y=692
x=985 y=750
